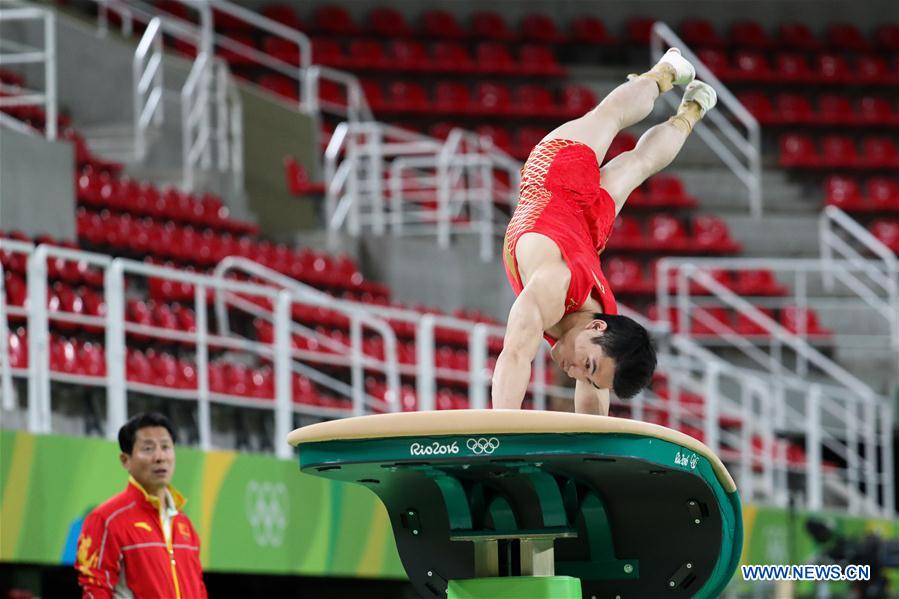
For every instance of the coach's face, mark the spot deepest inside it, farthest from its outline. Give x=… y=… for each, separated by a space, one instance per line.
x=582 y=359
x=152 y=459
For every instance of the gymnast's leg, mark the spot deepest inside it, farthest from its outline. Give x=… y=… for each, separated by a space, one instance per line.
x=627 y=104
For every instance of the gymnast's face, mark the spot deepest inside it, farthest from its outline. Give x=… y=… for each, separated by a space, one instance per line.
x=584 y=360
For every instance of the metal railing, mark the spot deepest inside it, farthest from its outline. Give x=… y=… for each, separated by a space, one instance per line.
x=15 y=53
x=196 y=120
x=740 y=151
x=149 y=87
x=432 y=187
x=837 y=233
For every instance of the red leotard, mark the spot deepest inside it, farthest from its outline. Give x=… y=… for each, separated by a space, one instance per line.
x=560 y=197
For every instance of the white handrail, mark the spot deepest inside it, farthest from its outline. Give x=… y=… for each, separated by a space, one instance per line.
x=833 y=220
x=745 y=159
x=149 y=88
x=6 y=388
x=196 y=120
x=22 y=54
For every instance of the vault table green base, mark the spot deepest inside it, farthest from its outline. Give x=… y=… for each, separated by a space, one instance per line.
x=540 y=500
x=532 y=587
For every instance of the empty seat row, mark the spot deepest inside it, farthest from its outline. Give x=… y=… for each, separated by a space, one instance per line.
x=99 y=189
x=713 y=321
x=879 y=194
x=830 y=109
x=838 y=152
x=664 y=233
x=398 y=55
x=71 y=271
x=628 y=276
x=794 y=68
x=700 y=33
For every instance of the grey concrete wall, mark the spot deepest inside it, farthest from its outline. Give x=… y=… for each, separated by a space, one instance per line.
x=37 y=194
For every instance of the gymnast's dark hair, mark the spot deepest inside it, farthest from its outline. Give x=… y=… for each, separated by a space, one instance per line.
x=628 y=343
x=128 y=432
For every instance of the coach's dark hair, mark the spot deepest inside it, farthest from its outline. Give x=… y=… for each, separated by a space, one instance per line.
x=128 y=432
x=630 y=346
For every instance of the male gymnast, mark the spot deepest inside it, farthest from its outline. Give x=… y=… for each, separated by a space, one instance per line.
x=564 y=217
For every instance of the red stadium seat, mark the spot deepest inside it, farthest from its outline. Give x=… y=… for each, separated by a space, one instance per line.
x=748 y=327
x=710 y=233
x=716 y=61
x=875 y=110
x=798 y=151
x=626 y=234
x=280 y=85
x=749 y=34
x=835 y=109
x=625 y=275
x=388 y=22
x=623 y=142
x=700 y=33
x=409 y=55
x=451 y=57
x=842 y=192
x=709 y=321
x=540 y=28
x=757 y=282
x=879 y=152
x=491 y=98
x=882 y=193
x=887 y=37
x=284 y=14
x=498 y=135
x=751 y=66
x=334 y=20
x=450 y=97
x=797 y=36
x=407 y=96
x=367 y=54
x=668 y=190
x=639 y=30
x=533 y=100
x=528 y=137
x=873 y=70
x=845 y=36
x=538 y=60
x=887 y=231
x=793 y=108
x=591 y=31
x=440 y=24
x=490 y=25
x=494 y=57
x=759 y=105
x=838 y=151
x=667 y=233
x=795 y=319
x=793 y=67
x=832 y=68
x=577 y=100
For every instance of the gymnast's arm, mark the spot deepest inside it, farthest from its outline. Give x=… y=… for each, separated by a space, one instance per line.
x=590 y=400
x=539 y=306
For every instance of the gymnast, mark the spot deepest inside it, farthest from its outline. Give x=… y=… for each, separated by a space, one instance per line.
x=563 y=219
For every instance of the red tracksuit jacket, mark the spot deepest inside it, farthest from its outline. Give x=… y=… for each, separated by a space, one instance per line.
x=124 y=536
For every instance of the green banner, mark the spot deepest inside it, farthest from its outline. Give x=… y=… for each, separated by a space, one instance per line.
x=259 y=514
x=253 y=513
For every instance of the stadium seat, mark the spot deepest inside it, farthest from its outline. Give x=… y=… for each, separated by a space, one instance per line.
x=540 y=28
x=750 y=35
x=711 y=234
x=494 y=58
x=711 y=321
x=845 y=36
x=793 y=67
x=716 y=60
x=281 y=86
x=450 y=97
x=451 y=57
x=798 y=151
x=843 y=192
x=832 y=69
x=797 y=36
x=407 y=96
x=499 y=135
x=667 y=233
x=751 y=66
x=388 y=22
x=533 y=100
x=834 y=109
x=879 y=152
x=838 y=151
x=577 y=100
x=700 y=33
x=882 y=193
x=638 y=30
x=794 y=318
x=590 y=31
x=408 y=55
x=876 y=110
x=626 y=234
x=333 y=20
x=538 y=60
x=887 y=231
x=759 y=104
x=873 y=70
x=440 y=24
x=490 y=25
x=887 y=37
x=668 y=190
x=793 y=108
x=283 y=14
x=367 y=54
x=746 y=326
x=625 y=275
x=757 y=282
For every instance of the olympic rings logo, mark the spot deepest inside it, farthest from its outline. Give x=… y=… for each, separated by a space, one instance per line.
x=482 y=445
